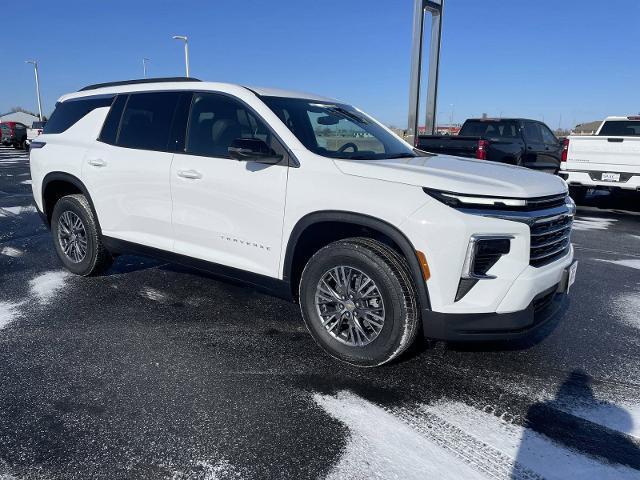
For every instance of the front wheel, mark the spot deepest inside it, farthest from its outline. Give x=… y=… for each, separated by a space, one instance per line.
x=76 y=237
x=359 y=303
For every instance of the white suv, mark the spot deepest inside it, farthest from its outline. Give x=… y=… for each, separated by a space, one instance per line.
x=310 y=199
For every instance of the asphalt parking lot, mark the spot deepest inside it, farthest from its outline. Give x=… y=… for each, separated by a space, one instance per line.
x=156 y=371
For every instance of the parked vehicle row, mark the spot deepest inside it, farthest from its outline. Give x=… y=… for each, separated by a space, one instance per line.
x=516 y=141
x=308 y=198
x=610 y=159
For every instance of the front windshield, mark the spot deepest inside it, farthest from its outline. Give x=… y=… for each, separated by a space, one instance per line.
x=337 y=130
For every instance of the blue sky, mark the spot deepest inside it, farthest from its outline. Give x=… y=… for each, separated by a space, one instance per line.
x=541 y=59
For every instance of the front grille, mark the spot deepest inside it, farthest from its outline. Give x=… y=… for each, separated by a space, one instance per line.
x=550 y=239
x=549 y=219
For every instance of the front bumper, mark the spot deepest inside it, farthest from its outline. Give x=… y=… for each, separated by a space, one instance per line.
x=543 y=309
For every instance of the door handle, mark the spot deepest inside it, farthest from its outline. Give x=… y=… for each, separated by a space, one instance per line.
x=190 y=174
x=97 y=162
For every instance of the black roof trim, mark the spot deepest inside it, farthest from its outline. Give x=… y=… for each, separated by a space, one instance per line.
x=139 y=80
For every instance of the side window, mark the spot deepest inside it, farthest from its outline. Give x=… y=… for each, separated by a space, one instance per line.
x=68 y=113
x=215 y=121
x=532 y=132
x=547 y=136
x=112 y=122
x=146 y=120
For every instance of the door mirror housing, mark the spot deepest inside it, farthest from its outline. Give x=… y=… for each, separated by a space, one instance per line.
x=253 y=150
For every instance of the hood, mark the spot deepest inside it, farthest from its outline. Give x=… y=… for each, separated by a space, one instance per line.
x=460 y=175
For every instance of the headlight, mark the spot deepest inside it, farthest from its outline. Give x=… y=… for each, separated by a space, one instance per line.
x=458 y=200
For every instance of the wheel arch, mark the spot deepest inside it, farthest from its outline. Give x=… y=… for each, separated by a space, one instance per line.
x=294 y=261
x=55 y=185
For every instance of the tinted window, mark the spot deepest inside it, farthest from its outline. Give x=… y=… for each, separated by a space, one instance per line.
x=532 y=132
x=490 y=128
x=625 y=128
x=337 y=130
x=38 y=125
x=146 y=120
x=547 y=135
x=112 y=122
x=69 y=112
x=215 y=121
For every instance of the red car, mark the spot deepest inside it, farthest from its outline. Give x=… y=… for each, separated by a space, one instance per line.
x=13 y=133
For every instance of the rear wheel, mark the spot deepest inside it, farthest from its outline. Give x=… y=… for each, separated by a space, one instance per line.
x=359 y=303
x=76 y=237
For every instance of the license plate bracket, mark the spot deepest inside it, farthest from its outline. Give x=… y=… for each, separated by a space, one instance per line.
x=610 y=177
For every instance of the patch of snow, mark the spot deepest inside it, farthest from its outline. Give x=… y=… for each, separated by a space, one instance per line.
x=26 y=182
x=382 y=446
x=11 y=252
x=206 y=470
x=625 y=263
x=531 y=450
x=8 y=312
x=627 y=307
x=153 y=294
x=19 y=210
x=592 y=223
x=46 y=285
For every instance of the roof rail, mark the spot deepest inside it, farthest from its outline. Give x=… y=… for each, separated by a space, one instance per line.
x=139 y=80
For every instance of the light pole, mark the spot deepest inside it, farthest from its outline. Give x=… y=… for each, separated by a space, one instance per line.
x=144 y=67
x=35 y=69
x=185 y=39
x=451 y=117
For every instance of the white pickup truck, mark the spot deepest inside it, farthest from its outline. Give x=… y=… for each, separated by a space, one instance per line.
x=609 y=159
x=35 y=130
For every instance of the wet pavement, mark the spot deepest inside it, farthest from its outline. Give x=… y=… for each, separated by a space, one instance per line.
x=156 y=371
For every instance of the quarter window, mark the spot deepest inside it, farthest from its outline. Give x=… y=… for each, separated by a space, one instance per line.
x=146 y=120
x=215 y=121
x=71 y=111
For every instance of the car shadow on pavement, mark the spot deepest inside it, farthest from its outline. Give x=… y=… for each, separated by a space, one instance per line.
x=552 y=420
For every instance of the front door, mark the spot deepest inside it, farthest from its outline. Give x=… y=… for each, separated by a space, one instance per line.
x=226 y=211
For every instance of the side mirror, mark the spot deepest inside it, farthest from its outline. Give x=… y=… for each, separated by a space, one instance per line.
x=253 y=150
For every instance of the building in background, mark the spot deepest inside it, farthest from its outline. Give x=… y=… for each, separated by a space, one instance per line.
x=20 y=117
x=589 y=128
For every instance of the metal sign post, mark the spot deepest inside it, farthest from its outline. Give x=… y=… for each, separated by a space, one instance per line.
x=435 y=8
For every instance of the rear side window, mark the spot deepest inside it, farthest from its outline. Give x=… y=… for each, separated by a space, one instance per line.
x=490 y=129
x=70 y=112
x=146 y=120
x=624 y=128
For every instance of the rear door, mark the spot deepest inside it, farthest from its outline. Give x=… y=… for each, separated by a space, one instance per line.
x=127 y=170
x=226 y=211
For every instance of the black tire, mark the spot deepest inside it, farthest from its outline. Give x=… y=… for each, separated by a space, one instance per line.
x=579 y=194
x=96 y=259
x=390 y=273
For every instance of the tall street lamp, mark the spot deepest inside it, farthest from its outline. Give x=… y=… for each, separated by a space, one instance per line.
x=185 y=39
x=144 y=67
x=35 y=69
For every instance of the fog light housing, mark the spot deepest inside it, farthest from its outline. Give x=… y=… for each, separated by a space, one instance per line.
x=483 y=252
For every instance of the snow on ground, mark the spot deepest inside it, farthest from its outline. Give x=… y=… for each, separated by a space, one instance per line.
x=206 y=470
x=26 y=182
x=11 y=252
x=12 y=211
x=627 y=308
x=592 y=223
x=46 y=285
x=153 y=294
x=382 y=446
x=8 y=312
x=625 y=263
x=530 y=449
